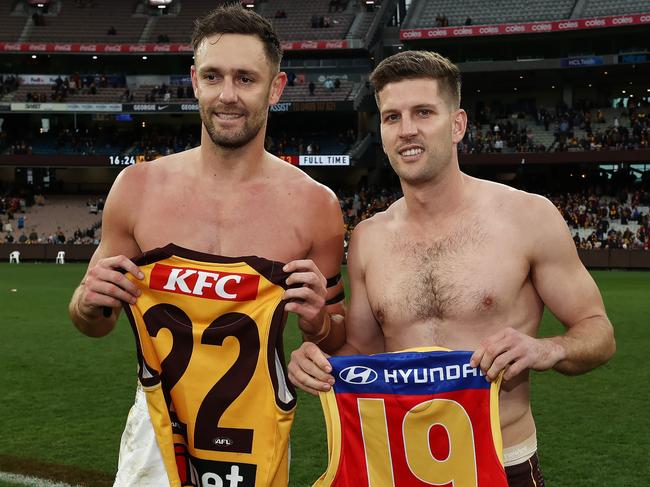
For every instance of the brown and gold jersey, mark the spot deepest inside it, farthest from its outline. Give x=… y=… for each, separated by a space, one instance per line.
x=209 y=344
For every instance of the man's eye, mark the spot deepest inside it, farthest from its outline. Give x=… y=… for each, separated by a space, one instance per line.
x=246 y=80
x=425 y=113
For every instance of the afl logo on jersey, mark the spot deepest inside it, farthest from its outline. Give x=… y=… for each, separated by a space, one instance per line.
x=223 y=440
x=358 y=374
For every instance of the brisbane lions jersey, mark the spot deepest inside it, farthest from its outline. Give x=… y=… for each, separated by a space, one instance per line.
x=415 y=418
x=208 y=335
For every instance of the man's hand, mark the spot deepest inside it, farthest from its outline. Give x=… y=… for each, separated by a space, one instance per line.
x=309 y=369
x=308 y=300
x=514 y=352
x=105 y=286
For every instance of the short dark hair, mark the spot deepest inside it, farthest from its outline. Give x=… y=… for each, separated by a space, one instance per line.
x=418 y=64
x=233 y=18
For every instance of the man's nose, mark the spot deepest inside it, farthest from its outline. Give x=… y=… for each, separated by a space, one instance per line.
x=407 y=127
x=228 y=92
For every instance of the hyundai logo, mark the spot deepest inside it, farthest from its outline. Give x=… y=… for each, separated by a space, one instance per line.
x=357 y=374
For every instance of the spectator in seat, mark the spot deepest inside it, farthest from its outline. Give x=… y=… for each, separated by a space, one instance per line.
x=312 y=88
x=111 y=31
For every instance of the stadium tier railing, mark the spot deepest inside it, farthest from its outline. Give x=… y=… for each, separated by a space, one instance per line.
x=592 y=259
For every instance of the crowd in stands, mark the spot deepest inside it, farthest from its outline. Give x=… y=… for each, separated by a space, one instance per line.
x=628 y=129
x=14 y=218
x=582 y=127
x=20 y=147
x=8 y=83
x=442 y=21
x=164 y=93
x=321 y=21
x=76 y=83
x=596 y=221
x=362 y=204
x=309 y=143
x=620 y=222
x=154 y=145
x=499 y=137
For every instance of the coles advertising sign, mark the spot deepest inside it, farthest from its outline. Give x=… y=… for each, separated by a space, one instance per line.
x=525 y=28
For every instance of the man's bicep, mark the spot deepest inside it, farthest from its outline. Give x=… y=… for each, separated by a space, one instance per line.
x=327 y=251
x=117 y=227
x=362 y=329
x=560 y=278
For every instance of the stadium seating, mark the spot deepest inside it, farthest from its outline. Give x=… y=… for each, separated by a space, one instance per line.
x=298 y=23
x=103 y=95
x=13 y=21
x=600 y=8
x=423 y=13
x=178 y=25
x=300 y=92
x=70 y=23
x=60 y=213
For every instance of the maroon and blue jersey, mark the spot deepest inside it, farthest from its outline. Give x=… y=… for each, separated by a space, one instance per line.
x=414 y=418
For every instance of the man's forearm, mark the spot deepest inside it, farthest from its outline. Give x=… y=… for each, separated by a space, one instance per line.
x=333 y=334
x=93 y=325
x=586 y=345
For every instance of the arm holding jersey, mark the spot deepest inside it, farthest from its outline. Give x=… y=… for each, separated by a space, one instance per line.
x=309 y=369
x=319 y=302
x=96 y=303
x=569 y=292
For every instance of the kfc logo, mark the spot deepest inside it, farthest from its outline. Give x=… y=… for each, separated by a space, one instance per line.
x=205 y=284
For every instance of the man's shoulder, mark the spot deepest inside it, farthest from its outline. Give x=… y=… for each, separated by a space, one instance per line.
x=300 y=184
x=513 y=199
x=529 y=214
x=158 y=169
x=381 y=220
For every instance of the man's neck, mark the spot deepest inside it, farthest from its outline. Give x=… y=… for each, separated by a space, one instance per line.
x=231 y=165
x=438 y=198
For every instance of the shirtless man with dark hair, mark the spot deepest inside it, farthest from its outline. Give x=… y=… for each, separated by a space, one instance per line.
x=462 y=263
x=227 y=197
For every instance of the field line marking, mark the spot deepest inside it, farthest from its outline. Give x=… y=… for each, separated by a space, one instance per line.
x=31 y=481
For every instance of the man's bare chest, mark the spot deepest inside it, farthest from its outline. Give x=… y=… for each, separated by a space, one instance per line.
x=236 y=227
x=467 y=278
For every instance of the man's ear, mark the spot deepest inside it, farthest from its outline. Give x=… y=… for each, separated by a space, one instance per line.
x=459 y=125
x=195 y=82
x=277 y=87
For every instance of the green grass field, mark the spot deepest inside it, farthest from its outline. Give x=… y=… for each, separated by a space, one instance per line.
x=65 y=396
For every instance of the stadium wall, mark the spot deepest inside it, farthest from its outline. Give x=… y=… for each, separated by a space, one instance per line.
x=592 y=259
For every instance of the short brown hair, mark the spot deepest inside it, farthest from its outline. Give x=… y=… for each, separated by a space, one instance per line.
x=418 y=64
x=235 y=19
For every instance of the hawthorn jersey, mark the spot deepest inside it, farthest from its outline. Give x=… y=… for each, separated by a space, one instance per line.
x=209 y=346
x=413 y=418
